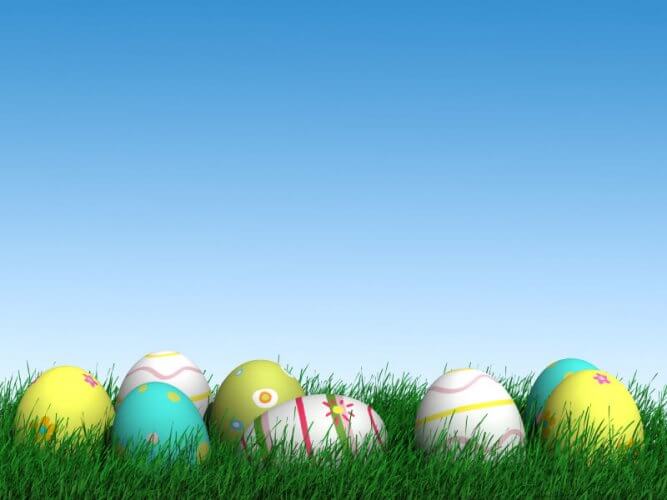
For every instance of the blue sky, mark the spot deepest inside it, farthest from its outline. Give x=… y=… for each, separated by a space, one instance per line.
x=344 y=186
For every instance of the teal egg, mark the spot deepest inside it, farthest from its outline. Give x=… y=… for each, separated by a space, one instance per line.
x=548 y=380
x=162 y=418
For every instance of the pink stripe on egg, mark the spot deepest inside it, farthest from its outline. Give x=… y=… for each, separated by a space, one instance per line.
x=508 y=434
x=374 y=425
x=245 y=449
x=162 y=376
x=304 y=425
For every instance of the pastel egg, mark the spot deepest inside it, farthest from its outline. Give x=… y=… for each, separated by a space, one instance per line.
x=172 y=368
x=593 y=401
x=548 y=380
x=308 y=424
x=247 y=392
x=163 y=419
x=465 y=404
x=62 y=401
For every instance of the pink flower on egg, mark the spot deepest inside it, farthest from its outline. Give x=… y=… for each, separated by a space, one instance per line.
x=339 y=410
x=88 y=378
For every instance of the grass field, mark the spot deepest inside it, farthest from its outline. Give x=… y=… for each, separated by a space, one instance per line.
x=94 y=471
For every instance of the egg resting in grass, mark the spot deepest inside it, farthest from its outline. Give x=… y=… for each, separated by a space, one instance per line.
x=162 y=418
x=548 y=380
x=467 y=403
x=62 y=401
x=593 y=400
x=311 y=423
x=247 y=392
x=172 y=368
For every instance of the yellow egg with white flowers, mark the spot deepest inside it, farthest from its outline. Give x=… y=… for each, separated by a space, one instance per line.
x=62 y=401
x=596 y=404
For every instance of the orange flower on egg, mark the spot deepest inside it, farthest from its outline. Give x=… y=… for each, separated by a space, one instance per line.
x=45 y=429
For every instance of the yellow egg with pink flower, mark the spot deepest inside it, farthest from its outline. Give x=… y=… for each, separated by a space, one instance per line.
x=596 y=405
x=63 y=401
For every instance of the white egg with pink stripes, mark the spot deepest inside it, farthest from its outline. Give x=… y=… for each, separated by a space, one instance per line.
x=172 y=368
x=315 y=422
x=467 y=403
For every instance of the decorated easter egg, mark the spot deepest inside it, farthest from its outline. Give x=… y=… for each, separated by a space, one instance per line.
x=161 y=418
x=172 y=368
x=593 y=401
x=308 y=424
x=62 y=401
x=247 y=392
x=467 y=403
x=548 y=380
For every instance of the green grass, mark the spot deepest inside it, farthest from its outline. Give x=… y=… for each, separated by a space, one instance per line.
x=93 y=470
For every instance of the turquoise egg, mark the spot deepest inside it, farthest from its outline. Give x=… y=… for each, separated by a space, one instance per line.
x=548 y=380
x=161 y=418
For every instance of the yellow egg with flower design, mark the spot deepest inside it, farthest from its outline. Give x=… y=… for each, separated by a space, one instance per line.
x=63 y=401
x=596 y=404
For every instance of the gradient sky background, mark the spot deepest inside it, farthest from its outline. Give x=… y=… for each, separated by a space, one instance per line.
x=343 y=186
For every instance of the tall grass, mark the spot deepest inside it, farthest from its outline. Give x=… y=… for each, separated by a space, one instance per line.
x=401 y=471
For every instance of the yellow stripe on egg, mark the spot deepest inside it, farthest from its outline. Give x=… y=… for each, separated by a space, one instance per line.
x=455 y=370
x=199 y=397
x=162 y=354
x=464 y=408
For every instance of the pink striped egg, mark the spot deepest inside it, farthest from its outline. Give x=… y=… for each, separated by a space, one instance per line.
x=172 y=368
x=311 y=423
x=467 y=403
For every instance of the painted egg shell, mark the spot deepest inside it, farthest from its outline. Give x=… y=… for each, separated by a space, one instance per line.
x=548 y=380
x=62 y=401
x=593 y=399
x=161 y=417
x=467 y=403
x=171 y=368
x=247 y=392
x=310 y=423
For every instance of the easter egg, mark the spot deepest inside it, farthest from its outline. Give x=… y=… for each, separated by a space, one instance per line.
x=247 y=392
x=62 y=401
x=593 y=400
x=161 y=418
x=172 y=368
x=467 y=403
x=311 y=423
x=548 y=380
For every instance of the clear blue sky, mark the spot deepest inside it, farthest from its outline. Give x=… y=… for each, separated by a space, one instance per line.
x=343 y=186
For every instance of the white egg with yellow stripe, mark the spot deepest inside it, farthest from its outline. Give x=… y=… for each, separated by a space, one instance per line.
x=169 y=367
x=467 y=403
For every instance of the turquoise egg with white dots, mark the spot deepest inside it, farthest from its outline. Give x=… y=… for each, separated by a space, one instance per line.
x=162 y=419
x=548 y=380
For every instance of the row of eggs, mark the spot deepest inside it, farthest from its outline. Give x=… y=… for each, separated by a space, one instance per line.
x=163 y=403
